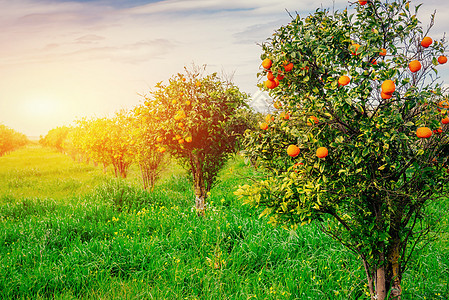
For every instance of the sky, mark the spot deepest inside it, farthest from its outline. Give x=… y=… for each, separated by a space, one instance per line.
x=64 y=60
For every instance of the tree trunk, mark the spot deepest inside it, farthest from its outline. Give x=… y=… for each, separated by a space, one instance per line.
x=388 y=274
x=199 y=187
x=393 y=272
x=381 y=289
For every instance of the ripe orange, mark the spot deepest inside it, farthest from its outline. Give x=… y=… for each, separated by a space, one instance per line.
x=414 y=66
x=280 y=76
x=361 y=2
x=385 y=96
x=442 y=59
x=267 y=63
x=286 y=116
x=158 y=139
x=353 y=48
x=181 y=141
x=445 y=121
x=270 y=84
x=270 y=76
x=426 y=42
x=443 y=104
x=288 y=66
x=344 y=80
x=388 y=87
x=374 y=61
x=322 y=152
x=293 y=150
x=263 y=126
x=312 y=119
x=189 y=139
x=383 y=52
x=423 y=132
x=162 y=149
x=438 y=130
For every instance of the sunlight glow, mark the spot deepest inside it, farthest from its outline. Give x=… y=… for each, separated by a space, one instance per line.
x=41 y=107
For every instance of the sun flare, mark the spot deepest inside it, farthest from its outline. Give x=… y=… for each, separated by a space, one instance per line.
x=41 y=106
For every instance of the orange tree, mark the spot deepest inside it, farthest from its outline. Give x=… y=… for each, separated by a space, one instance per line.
x=106 y=140
x=145 y=146
x=10 y=140
x=372 y=140
x=55 y=138
x=200 y=120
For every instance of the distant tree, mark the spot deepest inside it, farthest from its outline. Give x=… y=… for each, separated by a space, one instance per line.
x=145 y=148
x=200 y=119
x=107 y=141
x=55 y=138
x=11 y=140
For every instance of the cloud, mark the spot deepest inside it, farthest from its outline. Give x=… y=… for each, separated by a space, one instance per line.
x=89 y=39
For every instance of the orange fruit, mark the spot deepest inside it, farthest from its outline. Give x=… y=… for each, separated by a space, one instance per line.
x=189 y=139
x=270 y=84
x=293 y=150
x=442 y=59
x=388 y=87
x=198 y=84
x=312 y=119
x=438 y=130
x=445 y=121
x=161 y=149
x=263 y=126
x=443 y=104
x=158 y=139
x=423 y=132
x=344 y=80
x=288 y=66
x=322 y=152
x=286 y=116
x=383 y=52
x=280 y=77
x=361 y=2
x=426 y=42
x=385 y=96
x=353 y=48
x=374 y=61
x=414 y=66
x=270 y=76
x=181 y=141
x=267 y=63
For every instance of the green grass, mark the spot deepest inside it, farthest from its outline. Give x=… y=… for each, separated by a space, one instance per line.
x=108 y=239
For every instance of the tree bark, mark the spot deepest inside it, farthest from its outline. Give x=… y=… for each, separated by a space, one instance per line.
x=199 y=187
x=394 y=272
x=381 y=290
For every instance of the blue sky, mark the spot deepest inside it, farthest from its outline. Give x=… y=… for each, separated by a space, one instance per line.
x=63 y=60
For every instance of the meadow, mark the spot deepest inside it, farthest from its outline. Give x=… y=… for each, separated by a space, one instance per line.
x=69 y=231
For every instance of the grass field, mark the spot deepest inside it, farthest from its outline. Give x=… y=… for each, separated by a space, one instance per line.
x=68 y=231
